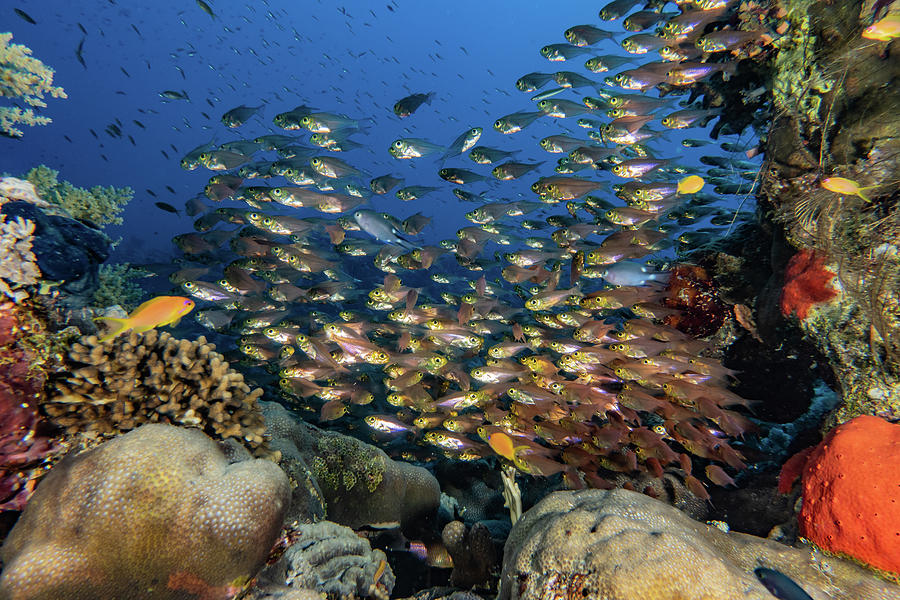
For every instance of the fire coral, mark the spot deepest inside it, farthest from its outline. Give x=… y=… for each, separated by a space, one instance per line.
x=806 y=283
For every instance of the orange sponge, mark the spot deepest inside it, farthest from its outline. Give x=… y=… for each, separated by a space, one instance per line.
x=851 y=493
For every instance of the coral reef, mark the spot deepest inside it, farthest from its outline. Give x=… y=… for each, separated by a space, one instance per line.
x=331 y=560
x=67 y=251
x=17 y=261
x=624 y=545
x=836 y=116
x=472 y=551
x=99 y=205
x=25 y=78
x=112 y=387
x=26 y=441
x=360 y=484
x=117 y=288
x=850 y=492
x=159 y=509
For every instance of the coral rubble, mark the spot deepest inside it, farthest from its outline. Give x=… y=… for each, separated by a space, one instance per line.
x=118 y=385
x=159 y=509
x=25 y=78
x=625 y=545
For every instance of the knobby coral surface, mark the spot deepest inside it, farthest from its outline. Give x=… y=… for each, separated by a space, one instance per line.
x=623 y=545
x=24 y=78
x=120 y=384
x=158 y=513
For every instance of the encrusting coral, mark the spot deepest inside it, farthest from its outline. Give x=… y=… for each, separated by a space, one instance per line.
x=17 y=261
x=99 y=205
x=25 y=78
x=118 y=385
x=158 y=513
x=625 y=545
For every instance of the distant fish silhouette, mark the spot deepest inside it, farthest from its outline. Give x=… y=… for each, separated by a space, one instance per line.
x=780 y=585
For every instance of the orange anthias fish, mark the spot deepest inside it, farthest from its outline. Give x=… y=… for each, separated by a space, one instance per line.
x=157 y=312
x=503 y=445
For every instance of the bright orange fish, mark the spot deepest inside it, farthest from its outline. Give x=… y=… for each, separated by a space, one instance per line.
x=884 y=30
x=503 y=445
x=156 y=312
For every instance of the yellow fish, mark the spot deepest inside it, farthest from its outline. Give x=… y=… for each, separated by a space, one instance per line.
x=691 y=184
x=156 y=312
x=884 y=30
x=842 y=185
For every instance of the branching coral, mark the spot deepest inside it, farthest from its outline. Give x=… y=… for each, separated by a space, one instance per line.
x=17 y=261
x=116 y=286
x=134 y=379
x=100 y=205
x=26 y=78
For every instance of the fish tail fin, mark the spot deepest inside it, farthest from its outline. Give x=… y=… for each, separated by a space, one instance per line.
x=429 y=97
x=118 y=326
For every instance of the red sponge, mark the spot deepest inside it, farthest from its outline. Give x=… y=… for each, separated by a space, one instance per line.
x=806 y=283
x=851 y=493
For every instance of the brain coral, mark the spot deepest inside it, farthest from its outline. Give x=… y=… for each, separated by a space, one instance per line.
x=333 y=560
x=134 y=379
x=622 y=545
x=851 y=492
x=155 y=514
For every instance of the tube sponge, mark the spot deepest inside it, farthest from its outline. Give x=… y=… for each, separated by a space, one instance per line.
x=158 y=514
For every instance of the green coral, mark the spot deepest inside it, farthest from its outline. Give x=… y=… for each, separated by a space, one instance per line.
x=23 y=78
x=100 y=205
x=117 y=287
x=342 y=462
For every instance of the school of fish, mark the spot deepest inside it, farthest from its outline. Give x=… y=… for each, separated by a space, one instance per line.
x=540 y=341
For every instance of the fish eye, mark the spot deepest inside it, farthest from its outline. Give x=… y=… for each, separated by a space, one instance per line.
x=189 y=285
x=498 y=123
x=398 y=144
x=474 y=131
x=315 y=161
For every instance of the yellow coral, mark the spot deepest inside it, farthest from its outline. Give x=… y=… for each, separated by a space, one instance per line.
x=26 y=78
x=100 y=205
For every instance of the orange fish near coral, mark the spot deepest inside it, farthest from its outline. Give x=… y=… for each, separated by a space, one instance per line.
x=157 y=312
